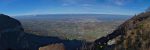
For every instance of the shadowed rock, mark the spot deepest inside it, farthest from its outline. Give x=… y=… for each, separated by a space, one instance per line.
x=13 y=37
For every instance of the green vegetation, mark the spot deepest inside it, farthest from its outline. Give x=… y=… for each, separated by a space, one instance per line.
x=76 y=30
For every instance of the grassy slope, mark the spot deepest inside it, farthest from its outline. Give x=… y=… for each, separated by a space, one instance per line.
x=137 y=34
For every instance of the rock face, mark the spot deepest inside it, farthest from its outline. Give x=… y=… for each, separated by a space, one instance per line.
x=136 y=33
x=9 y=23
x=133 y=34
x=13 y=37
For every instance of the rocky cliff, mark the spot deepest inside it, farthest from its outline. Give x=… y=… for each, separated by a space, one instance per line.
x=133 y=34
x=136 y=33
x=13 y=37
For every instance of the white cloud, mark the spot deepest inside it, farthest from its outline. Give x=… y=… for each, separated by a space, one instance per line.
x=87 y=5
x=65 y=4
x=92 y=2
x=81 y=3
x=70 y=1
x=120 y=2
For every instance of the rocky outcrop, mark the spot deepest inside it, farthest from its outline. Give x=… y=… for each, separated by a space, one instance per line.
x=13 y=37
x=131 y=35
x=7 y=23
x=136 y=33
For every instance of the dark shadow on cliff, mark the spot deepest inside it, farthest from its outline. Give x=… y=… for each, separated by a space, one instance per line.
x=13 y=37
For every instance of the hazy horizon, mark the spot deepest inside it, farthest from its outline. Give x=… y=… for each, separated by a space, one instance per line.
x=33 y=7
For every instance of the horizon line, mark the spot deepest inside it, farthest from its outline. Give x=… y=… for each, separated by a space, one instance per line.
x=74 y=14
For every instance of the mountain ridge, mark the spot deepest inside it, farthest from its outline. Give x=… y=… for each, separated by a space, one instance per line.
x=131 y=35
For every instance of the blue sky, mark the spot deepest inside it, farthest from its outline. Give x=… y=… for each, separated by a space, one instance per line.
x=29 y=7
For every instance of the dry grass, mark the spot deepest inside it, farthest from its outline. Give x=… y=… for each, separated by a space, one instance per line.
x=137 y=34
x=53 y=47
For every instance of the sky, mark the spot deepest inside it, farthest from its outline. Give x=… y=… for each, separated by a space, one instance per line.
x=33 y=7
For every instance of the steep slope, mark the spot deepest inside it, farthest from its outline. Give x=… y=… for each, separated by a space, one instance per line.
x=13 y=37
x=134 y=34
